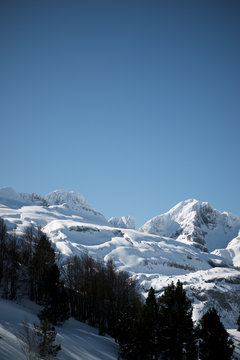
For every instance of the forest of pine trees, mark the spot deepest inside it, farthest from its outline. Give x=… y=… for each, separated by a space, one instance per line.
x=97 y=293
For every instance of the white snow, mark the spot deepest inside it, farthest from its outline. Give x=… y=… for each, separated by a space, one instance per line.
x=232 y=251
x=124 y=222
x=78 y=341
x=235 y=335
x=72 y=198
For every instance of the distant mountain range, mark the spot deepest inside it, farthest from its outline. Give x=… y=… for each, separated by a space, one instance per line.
x=192 y=242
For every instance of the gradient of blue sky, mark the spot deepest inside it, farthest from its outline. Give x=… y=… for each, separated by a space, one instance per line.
x=135 y=104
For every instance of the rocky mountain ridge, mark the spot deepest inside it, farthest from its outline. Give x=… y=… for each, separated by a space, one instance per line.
x=197 y=223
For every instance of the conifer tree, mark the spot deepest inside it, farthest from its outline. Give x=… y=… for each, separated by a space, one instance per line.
x=176 y=333
x=126 y=331
x=143 y=344
x=130 y=306
x=150 y=323
x=214 y=340
x=47 y=346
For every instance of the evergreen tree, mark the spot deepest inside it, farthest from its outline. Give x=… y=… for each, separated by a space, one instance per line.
x=128 y=311
x=126 y=336
x=147 y=328
x=47 y=346
x=214 y=342
x=238 y=323
x=176 y=333
x=140 y=340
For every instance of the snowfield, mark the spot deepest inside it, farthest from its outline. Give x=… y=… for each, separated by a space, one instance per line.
x=192 y=242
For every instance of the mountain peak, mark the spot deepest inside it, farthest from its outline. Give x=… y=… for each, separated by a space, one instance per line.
x=193 y=221
x=124 y=222
x=72 y=198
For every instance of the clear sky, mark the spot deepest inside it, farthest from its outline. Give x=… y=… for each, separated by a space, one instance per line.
x=134 y=104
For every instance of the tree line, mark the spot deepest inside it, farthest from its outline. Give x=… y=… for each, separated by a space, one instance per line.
x=96 y=292
x=164 y=330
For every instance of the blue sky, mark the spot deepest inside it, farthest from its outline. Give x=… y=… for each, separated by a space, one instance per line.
x=135 y=104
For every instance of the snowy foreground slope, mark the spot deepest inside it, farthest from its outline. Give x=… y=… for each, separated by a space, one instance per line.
x=78 y=341
x=169 y=247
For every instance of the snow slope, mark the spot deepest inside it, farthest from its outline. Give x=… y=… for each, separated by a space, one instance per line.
x=232 y=251
x=176 y=251
x=78 y=341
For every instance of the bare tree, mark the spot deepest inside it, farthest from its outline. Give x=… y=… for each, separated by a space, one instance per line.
x=27 y=339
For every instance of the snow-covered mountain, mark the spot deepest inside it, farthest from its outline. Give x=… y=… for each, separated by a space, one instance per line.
x=169 y=247
x=197 y=223
x=124 y=222
x=39 y=210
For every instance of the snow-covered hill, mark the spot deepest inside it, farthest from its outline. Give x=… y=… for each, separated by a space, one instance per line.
x=177 y=250
x=195 y=222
